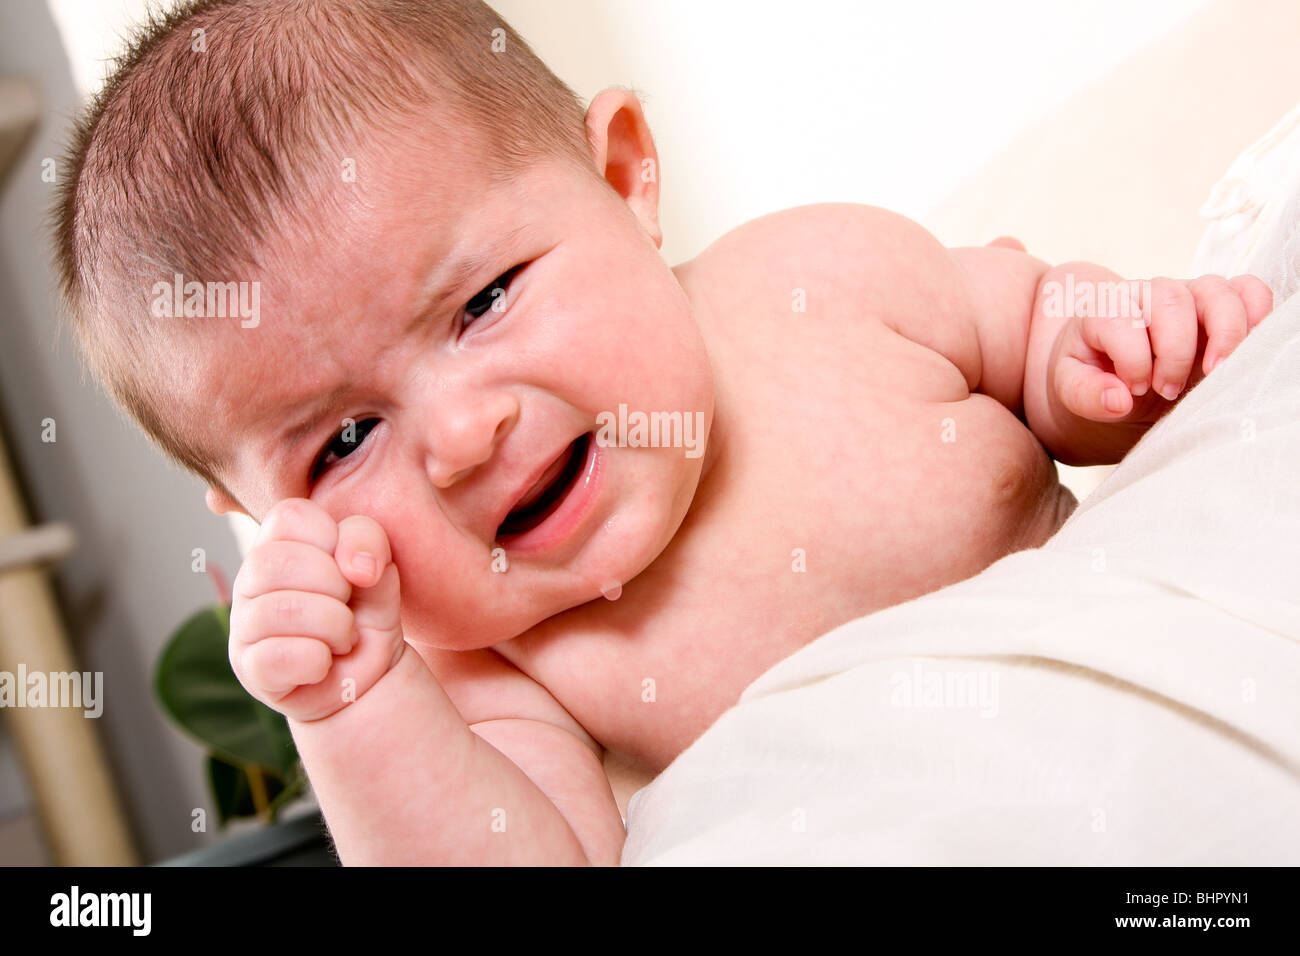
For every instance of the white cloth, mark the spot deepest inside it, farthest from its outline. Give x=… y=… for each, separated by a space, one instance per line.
x=1127 y=694
x=1254 y=213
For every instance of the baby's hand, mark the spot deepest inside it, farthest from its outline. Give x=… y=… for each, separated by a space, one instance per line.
x=315 y=620
x=1110 y=368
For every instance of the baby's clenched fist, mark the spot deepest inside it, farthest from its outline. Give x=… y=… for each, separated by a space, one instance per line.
x=315 y=619
x=1111 y=366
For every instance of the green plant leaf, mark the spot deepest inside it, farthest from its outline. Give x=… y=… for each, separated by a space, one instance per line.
x=198 y=690
x=234 y=792
x=293 y=789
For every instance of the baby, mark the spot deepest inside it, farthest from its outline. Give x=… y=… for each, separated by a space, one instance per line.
x=536 y=508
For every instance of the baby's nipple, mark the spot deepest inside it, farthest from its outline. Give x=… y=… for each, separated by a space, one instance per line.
x=612 y=590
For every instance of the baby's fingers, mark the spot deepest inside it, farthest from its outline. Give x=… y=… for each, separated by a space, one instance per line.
x=1255 y=295
x=362 y=551
x=1222 y=314
x=296 y=614
x=290 y=565
x=1090 y=392
x=1125 y=343
x=1169 y=310
x=364 y=555
x=278 y=665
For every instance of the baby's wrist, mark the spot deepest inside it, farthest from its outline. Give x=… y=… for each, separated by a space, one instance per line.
x=407 y=695
x=351 y=695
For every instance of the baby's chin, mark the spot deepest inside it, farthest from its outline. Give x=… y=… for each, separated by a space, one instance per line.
x=549 y=595
x=632 y=537
x=624 y=545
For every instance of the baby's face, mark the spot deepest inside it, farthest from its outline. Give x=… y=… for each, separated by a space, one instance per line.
x=474 y=435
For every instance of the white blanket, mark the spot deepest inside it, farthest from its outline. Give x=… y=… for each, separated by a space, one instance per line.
x=1127 y=694
x=1254 y=213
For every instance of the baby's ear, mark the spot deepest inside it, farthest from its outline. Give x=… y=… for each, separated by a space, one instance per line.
x=624 y=153
x=220 y=503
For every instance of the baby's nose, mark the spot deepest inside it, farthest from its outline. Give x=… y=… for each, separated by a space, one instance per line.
x=464 y=437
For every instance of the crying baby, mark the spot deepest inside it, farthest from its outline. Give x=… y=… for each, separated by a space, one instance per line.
x=534 y=506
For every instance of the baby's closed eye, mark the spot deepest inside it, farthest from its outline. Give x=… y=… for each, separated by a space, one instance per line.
x=348 y=440
x=492 y=297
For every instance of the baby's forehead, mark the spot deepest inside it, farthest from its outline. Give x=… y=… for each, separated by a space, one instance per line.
x=241 y=425
x=239 y=388
x=334 y=287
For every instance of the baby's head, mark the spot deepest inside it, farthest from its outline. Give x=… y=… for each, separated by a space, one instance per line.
x=364 y=172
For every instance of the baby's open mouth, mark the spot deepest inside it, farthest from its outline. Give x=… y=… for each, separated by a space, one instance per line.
x=545 y=495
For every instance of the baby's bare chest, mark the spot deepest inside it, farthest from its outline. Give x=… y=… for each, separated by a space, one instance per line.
x=857 y=478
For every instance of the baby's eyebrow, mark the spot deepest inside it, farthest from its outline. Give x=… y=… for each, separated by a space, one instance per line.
x=461 y=270
x=292 y=436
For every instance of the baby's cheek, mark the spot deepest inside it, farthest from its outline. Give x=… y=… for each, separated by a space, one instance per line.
x=453 y=596
x=440 y=609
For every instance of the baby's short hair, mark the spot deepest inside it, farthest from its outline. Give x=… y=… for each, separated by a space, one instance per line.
x=221 y=122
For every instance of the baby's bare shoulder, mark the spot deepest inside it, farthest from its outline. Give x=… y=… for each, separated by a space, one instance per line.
x=809 y=235
x=834 y=253
x=853 y=272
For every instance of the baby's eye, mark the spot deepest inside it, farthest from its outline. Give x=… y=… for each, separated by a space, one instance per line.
x=492 y=298
x=348 y=440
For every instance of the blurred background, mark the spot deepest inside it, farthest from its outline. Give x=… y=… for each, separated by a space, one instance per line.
x=1090 y=129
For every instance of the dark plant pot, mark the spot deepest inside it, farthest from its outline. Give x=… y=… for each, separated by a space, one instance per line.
x=302 y=841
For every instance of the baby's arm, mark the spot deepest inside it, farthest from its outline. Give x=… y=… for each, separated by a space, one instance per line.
x=403 y=780
x=991 y=313
x=1098 y=358
x=401 y=775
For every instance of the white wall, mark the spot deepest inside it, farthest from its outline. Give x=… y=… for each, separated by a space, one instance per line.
x=756 y=106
